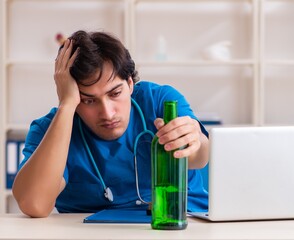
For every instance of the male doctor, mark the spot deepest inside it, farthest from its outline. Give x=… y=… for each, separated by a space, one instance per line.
x=80 y=156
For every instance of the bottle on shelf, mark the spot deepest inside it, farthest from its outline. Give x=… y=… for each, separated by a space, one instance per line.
x=169 y=182
x=161 y=53
x=60 y=38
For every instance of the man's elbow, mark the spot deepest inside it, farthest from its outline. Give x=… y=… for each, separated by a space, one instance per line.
x=34 y=208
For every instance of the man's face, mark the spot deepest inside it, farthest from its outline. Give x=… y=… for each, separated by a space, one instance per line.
x=105 y=106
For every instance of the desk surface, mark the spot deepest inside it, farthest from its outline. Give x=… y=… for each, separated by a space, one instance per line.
x=71 y=226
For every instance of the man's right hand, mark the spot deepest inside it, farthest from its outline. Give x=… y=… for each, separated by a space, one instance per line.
x=67 y=88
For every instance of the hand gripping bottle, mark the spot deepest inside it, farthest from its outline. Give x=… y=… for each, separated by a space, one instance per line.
x=169 y=182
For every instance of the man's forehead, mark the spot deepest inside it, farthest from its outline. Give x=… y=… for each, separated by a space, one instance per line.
x=100 y=89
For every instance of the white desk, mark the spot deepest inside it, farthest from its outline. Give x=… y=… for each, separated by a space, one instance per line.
x=71 y=226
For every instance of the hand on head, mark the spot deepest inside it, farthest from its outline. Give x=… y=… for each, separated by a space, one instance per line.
x=67 y=88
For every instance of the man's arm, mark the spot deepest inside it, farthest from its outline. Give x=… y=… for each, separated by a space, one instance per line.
x=40 y=180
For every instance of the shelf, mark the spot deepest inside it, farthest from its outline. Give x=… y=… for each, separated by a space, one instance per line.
x=150 y=63
x=8 y=192
x=279 y=62
x=17 y=127
x=204 y=39
x=193 y=1
x=277 y=29
x=47 y=18
x=195 y=63
x=30 y=62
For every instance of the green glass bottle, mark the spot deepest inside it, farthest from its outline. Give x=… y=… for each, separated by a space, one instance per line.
x=169 y=182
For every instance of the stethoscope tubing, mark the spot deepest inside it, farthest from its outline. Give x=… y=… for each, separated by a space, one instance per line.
x=107 y=190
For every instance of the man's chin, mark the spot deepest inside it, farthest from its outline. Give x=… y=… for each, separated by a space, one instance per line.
x=111 y=135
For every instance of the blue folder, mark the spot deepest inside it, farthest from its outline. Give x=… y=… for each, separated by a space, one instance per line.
x=119 y=216
x=13 y=158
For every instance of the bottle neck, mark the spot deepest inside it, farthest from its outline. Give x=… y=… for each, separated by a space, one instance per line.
x=170 y=111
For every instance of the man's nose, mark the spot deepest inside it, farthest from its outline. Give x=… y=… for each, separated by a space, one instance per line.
x=106 y=110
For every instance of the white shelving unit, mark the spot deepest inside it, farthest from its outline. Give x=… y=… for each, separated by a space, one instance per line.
x=28 y=50
x=223 y=55
x=3 y=194
x=277 y=62
x=190 y=31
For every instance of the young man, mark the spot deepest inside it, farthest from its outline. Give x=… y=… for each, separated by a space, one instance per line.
x=80 y=156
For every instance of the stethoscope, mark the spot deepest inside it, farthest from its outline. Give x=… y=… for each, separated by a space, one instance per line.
x=107 y=191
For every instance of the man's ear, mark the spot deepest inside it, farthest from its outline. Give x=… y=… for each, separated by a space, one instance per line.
x=131 y=84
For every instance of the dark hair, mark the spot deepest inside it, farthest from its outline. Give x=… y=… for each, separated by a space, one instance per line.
x=96 y=48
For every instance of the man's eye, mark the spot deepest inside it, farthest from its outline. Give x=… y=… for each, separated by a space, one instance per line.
x=88 y=101
x=115 y=94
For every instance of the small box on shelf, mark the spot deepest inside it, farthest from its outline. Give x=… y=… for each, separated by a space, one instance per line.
x=13 y=157
x=209 y=118
x=14 y=145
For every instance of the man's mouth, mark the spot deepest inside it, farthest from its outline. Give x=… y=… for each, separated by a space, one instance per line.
x=110 y=125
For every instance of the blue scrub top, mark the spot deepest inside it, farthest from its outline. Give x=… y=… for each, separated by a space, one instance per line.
x=115 y=159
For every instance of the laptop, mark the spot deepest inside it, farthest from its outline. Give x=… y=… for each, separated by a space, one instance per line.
x=251 y=174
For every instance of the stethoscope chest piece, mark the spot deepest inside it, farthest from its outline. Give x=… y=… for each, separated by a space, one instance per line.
x=107 y=191
x=108 y=194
